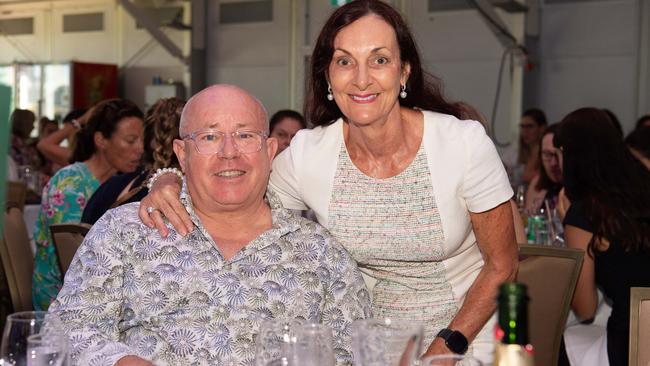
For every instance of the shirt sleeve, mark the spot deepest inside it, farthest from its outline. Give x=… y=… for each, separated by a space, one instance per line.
x=347 y=298
x=485 y=183
x=284 y=177
x=575 y=216
x=90 y=302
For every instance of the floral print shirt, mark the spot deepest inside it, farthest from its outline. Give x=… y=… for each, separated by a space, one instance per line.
x=63 y=201
x=177 y=301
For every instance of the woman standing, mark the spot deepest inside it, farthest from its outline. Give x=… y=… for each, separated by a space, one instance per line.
x=111 y=141
x=418 y=197
x=609 y=218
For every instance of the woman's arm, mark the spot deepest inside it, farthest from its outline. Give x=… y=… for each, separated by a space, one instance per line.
x=49 y=145
x=585 y=298
x=496 y=238
x=164 y=198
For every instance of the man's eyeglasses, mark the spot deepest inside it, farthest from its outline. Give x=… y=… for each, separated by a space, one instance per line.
x=210 y=142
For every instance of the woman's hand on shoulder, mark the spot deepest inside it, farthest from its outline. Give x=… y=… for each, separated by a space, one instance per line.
x=162 y=202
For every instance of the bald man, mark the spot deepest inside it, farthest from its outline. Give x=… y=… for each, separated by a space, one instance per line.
x=132 y=297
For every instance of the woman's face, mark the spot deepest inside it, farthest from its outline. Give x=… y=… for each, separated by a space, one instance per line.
x=530 y=130
x=551 y=159
x=123 y=150
x=284 y=131
x=366 y=71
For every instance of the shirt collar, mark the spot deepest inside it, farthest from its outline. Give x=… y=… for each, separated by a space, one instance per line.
x=284 y=221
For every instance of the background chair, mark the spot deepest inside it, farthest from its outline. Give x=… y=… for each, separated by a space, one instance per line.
x=67 y=238
x=16 y=194
x=17 y=259
x=639 y=326
x=551 y=274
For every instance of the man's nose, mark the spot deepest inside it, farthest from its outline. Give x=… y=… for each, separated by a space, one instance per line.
x=228 y=148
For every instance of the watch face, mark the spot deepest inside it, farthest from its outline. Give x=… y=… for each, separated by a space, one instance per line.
x=457 y=342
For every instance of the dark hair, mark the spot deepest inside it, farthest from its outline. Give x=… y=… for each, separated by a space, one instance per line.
x=104 y=119
x=286 y=113
x=642 y=120
x=22 y=123
x=424 y=91
x=600 y=172
x=74 y=114
x=615 y=121
x=639 y=140
x=43 y=122
x=544 y=182
x=161 y=128
x=525 y=151
x=536 y=115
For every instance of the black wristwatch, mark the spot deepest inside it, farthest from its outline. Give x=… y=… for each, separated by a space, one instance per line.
x=454 y=340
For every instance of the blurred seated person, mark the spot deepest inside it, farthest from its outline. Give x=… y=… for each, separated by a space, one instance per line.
x=638 y=141
x=22 y=124
x=284 y=126
x=161 y=129
x=522 y=160
x=643 y=121
x=608 y=218
x=200 y=299
x=50 y=145
x=111 y=141
x=546 y=185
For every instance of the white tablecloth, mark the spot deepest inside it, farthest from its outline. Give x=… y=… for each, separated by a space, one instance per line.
x=30 y=214
x=586 y=344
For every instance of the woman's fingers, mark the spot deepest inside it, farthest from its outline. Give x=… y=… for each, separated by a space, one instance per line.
x=176 y=213
x=159 y=222
x=144 y=214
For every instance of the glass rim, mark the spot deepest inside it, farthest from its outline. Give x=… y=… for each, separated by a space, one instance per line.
x=29 y=315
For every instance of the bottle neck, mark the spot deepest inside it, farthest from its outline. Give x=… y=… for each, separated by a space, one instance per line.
x=513 y=319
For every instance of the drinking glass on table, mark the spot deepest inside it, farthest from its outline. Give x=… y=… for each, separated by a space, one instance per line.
x=46 y=350
x=275 y=342
x=450 y=360
x=313 y=345
x=386 y=342
x=19 y=327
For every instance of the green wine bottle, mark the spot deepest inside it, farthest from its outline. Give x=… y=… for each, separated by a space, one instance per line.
x=512 y=345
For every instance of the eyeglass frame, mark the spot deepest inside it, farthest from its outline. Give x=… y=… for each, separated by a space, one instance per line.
x=192 y=136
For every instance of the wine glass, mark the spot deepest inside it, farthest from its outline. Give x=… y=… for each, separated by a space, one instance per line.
x=45 y=349
x=313 y=346
x=450 y=360
x=275 y=342
x=386 y=342
x=19 y=326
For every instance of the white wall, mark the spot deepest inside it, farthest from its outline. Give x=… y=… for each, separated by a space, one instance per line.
x=589 y=54
x=133 y=50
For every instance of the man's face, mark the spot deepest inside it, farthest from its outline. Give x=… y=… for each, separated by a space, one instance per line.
x=225 y=179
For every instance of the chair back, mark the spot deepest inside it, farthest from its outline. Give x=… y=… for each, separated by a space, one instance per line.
x=639 y=326
x=67 y=238
x=16 y=194
x=551 y=274
x=17 y=259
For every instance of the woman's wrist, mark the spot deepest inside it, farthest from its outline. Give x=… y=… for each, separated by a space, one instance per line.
x=163 y=172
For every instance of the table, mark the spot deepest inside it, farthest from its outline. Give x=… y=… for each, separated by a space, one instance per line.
x=586 y=344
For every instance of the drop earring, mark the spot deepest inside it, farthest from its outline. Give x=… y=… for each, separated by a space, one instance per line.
x=330 y=96
x=403 y=94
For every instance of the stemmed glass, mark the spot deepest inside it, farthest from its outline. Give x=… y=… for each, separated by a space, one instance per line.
x=46 y=350
x=20 y=326
x=294 y=342
x=386 y=342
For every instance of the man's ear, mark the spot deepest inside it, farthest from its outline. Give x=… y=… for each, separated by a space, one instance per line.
x=271 y=147
x=179 y=150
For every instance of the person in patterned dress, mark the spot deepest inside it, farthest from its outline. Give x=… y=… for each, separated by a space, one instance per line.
x=111 y=141
x=133 y=297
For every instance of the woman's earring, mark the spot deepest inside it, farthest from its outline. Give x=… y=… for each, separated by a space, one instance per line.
x=403 y=94
x=330 y=96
